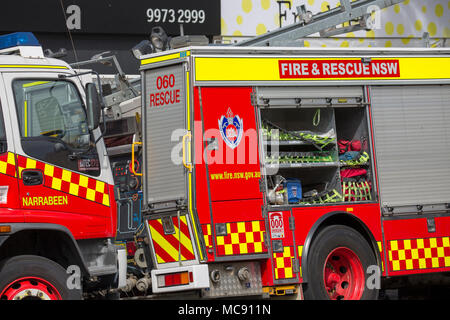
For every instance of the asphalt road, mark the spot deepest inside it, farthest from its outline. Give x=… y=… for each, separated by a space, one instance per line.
x=417 y=293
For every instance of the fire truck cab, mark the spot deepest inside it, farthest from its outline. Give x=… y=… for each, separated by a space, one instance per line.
x=269 y=171
x=57 y=207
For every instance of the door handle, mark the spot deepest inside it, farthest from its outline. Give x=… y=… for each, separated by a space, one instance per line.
x=187 y=164
x=133 y=160
x=32 y=177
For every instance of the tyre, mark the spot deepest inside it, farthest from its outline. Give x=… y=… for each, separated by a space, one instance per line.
x=34 y=278
x=337 y=263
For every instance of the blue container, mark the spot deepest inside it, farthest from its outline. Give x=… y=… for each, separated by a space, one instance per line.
x=294 y=190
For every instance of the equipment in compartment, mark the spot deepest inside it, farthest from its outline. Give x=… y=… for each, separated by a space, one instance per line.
x=273 y=132
x=318 y=147
x=294 y=190
x=277 y=193
x=356 y=191
x=301 y=157
x=355 y=177
x=356 y=185
x=353 y=152
x=290 y=191
x=303 y=147
x=326 y=196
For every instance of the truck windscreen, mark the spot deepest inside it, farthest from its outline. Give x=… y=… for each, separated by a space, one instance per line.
x=53 y=124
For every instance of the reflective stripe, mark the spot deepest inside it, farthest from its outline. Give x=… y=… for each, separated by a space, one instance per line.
x=330 y=197
x=166 y=57
x=31 y=66
x=191 y=211
x=167 y=245
x=356 y=191
x=363 y=159
x=36 y=83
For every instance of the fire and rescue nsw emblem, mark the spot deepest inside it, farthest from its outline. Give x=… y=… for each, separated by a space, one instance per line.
x=231 y=129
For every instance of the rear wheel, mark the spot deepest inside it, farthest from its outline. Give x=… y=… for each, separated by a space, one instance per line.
x=34 y=278
x=337 y=264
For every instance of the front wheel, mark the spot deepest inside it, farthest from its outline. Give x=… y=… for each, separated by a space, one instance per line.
x=34 y=278
x=337 y=266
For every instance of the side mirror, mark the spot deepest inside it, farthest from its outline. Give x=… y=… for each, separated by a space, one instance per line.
x=94 y=106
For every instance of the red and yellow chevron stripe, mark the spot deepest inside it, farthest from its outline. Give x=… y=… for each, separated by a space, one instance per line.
x=171 y=247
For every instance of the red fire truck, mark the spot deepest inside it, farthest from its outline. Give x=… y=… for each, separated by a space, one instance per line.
x=276 y=171
x=57 y=209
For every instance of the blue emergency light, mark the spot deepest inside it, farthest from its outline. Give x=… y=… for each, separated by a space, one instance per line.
x=18 y=39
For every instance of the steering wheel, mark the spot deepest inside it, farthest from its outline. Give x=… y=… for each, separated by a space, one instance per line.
x=58 y=133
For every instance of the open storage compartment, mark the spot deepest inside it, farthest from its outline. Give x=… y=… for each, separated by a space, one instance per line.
x=355 y=166
x=315 y=146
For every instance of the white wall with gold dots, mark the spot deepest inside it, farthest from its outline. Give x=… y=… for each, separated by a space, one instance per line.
x=400 y=25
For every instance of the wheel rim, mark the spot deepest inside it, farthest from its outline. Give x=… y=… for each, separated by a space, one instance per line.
x=343 y=275
x=30 y=288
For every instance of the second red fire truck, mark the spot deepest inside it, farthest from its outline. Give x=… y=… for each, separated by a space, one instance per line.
x=58 y=214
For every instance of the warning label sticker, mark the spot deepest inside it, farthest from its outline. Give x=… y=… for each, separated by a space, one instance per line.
x=276 y=225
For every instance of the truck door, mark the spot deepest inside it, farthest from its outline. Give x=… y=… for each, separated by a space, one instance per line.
x=61 y=179
x=233 y=171
x=9 y=204
x=285 y=257
x=411 y=138
x=165 y=121
x=167 y=166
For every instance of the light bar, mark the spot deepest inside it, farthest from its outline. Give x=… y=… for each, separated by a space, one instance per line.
x=18 y=39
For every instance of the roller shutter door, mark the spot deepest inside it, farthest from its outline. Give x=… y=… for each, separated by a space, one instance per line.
x=412 y=143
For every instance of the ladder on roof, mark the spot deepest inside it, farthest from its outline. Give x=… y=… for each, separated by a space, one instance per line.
x=325 y=22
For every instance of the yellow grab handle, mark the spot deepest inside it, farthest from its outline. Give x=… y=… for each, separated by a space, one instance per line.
x=186 y=165
x=132 y=159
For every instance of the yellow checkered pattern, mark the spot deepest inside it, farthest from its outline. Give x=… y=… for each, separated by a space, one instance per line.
x=207 y=235
x=68 y=181
x=418 y=254
x=284 y=263
x=8 y=164
x=245 y=237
